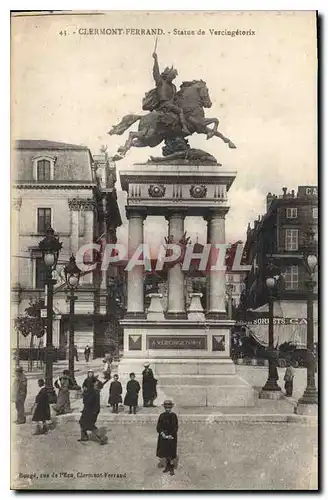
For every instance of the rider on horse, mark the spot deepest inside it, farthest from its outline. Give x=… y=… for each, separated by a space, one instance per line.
x=162 y=98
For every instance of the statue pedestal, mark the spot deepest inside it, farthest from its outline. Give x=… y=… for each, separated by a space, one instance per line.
x=190 y=359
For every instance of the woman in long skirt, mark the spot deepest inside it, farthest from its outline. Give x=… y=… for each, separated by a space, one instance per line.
x=41 y=409
x=64 y=384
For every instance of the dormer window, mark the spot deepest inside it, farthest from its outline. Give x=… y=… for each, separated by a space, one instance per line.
x=43 y=168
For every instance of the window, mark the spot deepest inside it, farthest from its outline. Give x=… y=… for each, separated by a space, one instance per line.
x=315 y=212
x=44 y=219
x=291 y=278
x=43 y=170
x=291 y=213
x=291 y=239
x=44 y=167
x=40 y=273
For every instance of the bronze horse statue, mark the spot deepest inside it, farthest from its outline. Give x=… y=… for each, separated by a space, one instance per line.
x=156 y=126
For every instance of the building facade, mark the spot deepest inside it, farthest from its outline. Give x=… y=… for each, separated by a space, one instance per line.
x=57 y=185
x=280 y=237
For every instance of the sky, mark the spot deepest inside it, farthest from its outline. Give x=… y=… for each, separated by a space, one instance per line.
x=73 y=88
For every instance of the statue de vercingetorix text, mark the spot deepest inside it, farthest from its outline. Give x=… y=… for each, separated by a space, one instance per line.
x=173 y=116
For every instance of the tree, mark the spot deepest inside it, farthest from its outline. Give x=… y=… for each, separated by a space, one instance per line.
x=32 y=324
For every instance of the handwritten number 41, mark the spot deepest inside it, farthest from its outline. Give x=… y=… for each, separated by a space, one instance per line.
x=63 y=33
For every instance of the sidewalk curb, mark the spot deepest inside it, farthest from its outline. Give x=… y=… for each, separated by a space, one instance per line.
x=194 y=418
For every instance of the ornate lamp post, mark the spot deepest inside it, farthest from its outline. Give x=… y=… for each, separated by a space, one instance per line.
x=271 y=389
x=72 y=278
x=310 y=396
x=50 y=247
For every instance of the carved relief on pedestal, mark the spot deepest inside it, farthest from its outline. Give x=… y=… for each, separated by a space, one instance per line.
x=220 y=192
x=156 y=190
x=177 y=191
x=198 y=191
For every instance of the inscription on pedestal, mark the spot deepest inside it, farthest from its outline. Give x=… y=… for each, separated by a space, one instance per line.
x=176 y=342
x=134 y=342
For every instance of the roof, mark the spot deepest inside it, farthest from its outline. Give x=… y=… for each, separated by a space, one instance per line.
x=42 y=144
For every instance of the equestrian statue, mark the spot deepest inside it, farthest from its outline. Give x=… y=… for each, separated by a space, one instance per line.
x=173 y=116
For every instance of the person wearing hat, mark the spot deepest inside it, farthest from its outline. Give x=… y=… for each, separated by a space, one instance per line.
x=167 y=428
x=149 y=383
x=90 y=412
x=19 y=394
x=88 y=382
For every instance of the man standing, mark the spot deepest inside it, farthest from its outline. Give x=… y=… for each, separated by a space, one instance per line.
x=87 y=352
x=167 y=428
x=75 y=353
x=149 y=383
x=20 y=390
x=289 y=378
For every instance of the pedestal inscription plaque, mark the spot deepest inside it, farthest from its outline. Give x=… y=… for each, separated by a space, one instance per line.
x=179 y=342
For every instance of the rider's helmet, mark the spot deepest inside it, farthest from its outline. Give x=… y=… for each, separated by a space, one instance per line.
x=169 y=73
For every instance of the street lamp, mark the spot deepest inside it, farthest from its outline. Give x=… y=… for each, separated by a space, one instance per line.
x=310 y=396
x=50 y=247
x=271 y=389
x=72 y=278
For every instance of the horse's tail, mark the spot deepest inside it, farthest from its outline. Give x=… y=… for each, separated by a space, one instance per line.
x=124 y=124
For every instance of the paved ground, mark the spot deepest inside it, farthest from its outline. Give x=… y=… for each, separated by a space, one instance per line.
x=212 y=456
x=255 y=376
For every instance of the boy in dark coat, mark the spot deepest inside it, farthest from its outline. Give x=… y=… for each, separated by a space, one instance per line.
x=41 y=409
x=149 y=383
x=115 y=394
x=90 y=412
x=132 y=392
x=167 y=428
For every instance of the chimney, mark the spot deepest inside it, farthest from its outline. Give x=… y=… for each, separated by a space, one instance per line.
x=284 y=190
x=270 y=197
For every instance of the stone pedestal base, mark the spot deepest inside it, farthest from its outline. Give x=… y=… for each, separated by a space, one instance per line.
x=189 y=359
x=270 y=395
x=304 y=409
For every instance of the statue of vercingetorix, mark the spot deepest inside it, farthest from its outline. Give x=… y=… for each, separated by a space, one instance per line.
x=173 y=116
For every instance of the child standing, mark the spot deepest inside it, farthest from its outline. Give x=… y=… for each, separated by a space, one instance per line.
x=167 y=428
x=132 y=392
x=41 y=409
x=115 y=394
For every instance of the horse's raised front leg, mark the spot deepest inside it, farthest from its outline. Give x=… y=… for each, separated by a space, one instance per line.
x=212 y=132
x=225 y=139
x=122 y=150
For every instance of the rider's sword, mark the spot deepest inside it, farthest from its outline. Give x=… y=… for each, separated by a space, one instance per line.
x=155 y=45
